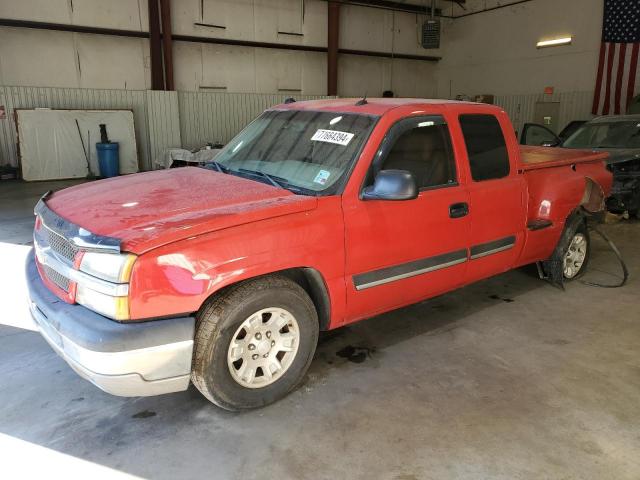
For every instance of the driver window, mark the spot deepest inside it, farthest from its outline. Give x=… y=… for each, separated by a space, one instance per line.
x=425 y=151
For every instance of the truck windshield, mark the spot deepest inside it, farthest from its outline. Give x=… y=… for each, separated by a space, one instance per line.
x=304 y=151
x=606 y=135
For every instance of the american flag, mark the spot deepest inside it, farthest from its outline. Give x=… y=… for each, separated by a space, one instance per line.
x=618 y=57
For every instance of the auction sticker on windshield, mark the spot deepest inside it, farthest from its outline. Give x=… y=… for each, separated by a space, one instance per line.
x=322 y=177
x=332 y=136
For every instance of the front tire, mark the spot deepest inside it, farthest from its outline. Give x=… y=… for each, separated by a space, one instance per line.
x=254 y=343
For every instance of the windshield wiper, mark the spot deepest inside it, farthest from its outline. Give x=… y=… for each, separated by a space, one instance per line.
x=275 y=181
x=219 y=166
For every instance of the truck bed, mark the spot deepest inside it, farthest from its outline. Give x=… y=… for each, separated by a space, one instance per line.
x=532 y=158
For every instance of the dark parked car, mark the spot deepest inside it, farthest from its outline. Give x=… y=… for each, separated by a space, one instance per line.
x=538 y=135
x=617 y=135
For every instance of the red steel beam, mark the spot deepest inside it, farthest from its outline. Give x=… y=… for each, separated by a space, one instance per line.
x=167 y=44
x=58 y=27
x=333 y=31
x=157 y=76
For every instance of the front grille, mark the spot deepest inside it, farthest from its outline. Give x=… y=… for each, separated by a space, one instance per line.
x=60 y=245
x=57 y=278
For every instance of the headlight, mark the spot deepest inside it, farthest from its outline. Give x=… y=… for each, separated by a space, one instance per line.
x=111 y=267
x=112 y=307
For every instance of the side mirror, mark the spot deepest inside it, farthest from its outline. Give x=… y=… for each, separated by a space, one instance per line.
x=392 y=185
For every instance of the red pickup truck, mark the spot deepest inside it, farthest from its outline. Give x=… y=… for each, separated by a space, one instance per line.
x=318 y=214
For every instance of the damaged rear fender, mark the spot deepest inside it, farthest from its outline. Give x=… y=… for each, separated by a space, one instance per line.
x=593 y=199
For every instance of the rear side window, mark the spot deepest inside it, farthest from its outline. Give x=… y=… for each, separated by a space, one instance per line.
x=488 y=157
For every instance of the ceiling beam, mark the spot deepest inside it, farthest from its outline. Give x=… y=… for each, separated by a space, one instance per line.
x=392 y=5
x=5 y=22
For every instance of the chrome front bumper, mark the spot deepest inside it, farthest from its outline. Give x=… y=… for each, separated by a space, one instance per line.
x=134 y=359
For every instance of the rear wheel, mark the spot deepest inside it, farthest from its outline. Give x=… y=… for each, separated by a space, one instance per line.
x=577 y=255
x=254 y=343
x=571 y=255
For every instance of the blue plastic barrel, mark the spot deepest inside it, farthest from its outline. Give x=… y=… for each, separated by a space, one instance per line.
x=108 y=159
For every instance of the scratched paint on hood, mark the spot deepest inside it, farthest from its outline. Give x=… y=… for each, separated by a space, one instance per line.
x=150 y=209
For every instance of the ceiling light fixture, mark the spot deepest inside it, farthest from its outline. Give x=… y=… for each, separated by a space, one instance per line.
x=555 y=42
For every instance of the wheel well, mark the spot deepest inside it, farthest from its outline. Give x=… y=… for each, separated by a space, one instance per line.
x=593 y=197
x=553 y=266
x=312 y=282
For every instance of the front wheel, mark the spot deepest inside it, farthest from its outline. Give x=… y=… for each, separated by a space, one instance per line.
x=254 y=343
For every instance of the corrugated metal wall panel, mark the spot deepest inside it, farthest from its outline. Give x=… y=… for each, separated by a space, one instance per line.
x=163 y=121
x=217 y=117
x=71 y=98
x=521 y=108
x=191 y=119
x=575 y=106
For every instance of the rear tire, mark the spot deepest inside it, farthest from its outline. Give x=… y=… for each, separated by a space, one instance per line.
x=554 y=266
x=254 y=343
x=576 y=256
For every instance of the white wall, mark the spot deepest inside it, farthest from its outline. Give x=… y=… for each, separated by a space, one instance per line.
x=48 y=58
x=385 y=31
x=495 y=52
x=491 y=52
x=30 y=57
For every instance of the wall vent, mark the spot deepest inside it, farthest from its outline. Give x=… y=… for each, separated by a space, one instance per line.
x=431 y=34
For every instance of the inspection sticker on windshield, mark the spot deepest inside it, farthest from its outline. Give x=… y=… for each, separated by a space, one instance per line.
x=332 y=136
x=322 y=177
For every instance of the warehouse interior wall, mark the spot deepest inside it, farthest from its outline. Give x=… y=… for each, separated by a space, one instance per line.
x=481 y=53
x=30 y=57
x=162 y=119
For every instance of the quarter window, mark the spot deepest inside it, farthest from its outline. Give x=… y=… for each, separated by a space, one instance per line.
x=487 y=150
x=421 y=146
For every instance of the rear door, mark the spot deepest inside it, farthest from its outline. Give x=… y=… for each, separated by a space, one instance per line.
x=496 y=194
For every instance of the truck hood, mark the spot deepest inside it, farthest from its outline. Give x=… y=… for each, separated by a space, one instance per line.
x=147 y=210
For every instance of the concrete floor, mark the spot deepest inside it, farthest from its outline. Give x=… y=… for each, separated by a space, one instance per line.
x=509 y=378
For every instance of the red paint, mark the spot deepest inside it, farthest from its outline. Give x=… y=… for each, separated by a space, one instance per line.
x=197 y=231
x=151 y=209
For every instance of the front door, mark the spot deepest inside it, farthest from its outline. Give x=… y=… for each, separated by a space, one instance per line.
x=538 y=136
x=399 y=252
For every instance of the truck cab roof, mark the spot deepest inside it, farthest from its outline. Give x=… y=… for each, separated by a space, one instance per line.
x=380 y=106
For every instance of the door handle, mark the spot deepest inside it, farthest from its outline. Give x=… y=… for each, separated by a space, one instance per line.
x=458 y=210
